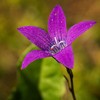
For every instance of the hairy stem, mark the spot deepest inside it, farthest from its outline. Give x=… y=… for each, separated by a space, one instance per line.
x=71 y=81
x=67 y=82
x=71 y=87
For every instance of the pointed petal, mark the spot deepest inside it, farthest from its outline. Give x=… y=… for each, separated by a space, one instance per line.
x=76 y=30
x=57 y=23
x=65 y=57
x=32 y=56
x=36 y=35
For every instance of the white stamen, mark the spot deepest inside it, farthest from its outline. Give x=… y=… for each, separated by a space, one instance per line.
x=57 y=46
x=61 y=42
x=53 y=46
x=56 y=40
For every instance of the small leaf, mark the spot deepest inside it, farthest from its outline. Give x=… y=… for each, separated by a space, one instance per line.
x=52 y=82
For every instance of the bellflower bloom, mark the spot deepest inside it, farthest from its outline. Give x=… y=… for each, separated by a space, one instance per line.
x=57 y=41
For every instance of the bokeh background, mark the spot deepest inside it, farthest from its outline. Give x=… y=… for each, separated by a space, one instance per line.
x=30 y=84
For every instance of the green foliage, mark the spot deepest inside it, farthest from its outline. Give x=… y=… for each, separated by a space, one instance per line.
x=51 y=81
x=41 y=80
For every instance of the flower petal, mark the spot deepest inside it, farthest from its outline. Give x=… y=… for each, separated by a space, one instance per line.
x=57 y=23
x=36 y=35
x=65 y=57
x=76 y=30
x=32 y=56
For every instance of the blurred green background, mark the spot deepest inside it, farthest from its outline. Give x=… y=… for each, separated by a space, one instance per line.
x=43 y=80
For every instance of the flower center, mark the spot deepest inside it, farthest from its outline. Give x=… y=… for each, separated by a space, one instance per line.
x=58 y=46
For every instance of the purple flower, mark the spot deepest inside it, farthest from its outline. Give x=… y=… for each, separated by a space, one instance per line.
x=57 y=42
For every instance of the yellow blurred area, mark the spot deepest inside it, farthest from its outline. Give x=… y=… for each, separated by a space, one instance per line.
x=16 y=13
